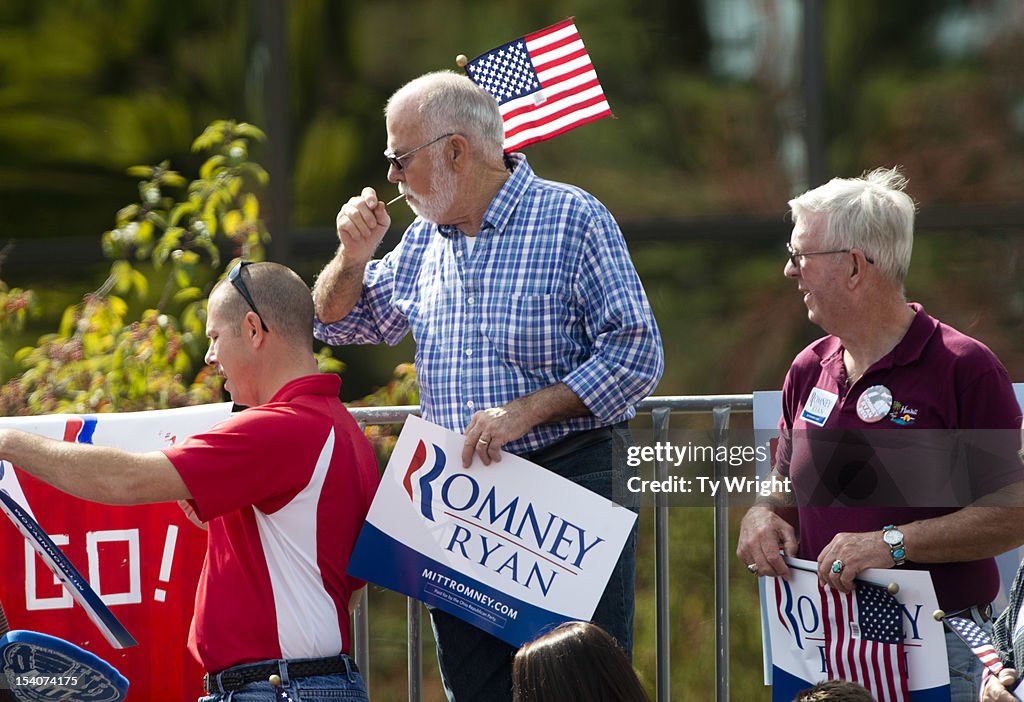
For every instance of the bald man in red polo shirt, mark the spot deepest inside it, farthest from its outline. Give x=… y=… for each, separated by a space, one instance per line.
x=887 y=365
x=283 y=487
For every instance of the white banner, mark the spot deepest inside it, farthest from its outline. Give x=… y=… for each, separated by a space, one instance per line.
x=132 y=569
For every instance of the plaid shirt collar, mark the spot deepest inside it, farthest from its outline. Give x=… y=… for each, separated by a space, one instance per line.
x=499 y=212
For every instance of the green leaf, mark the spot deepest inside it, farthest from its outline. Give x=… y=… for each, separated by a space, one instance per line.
x=182 y=209
x=110 y=247
x=173 y=180
x=210 y=166
x=144 y=232
x=67 y=323
x=255 y=171
x=126 y=214
x=250 y=207
x=211 y=136
x=141 y=283
x=189 y=294
x=210 y=248
x=118 y=306
x=231 y=222
x=141 y=171
x=121 y=272
x=244 y=129
x=21 y=354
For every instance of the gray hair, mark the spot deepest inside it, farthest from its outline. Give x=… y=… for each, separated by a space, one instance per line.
x=449 y=102
x=870 y=213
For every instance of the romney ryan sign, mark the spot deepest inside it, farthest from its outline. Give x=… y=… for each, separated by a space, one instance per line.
x=511 y=548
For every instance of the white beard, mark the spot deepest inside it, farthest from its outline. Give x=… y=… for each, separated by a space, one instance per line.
x=434 y=205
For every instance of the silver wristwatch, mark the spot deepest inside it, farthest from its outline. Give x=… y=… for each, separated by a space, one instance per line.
x=893 y=538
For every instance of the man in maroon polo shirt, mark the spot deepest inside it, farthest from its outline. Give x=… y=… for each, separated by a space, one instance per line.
x=887 y=365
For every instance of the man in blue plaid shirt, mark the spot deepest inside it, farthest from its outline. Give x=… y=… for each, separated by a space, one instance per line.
x=533 y=333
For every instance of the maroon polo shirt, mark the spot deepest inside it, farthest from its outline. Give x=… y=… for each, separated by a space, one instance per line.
x=939 y=379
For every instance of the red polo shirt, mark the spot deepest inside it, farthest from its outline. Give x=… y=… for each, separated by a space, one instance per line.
x=285 y=488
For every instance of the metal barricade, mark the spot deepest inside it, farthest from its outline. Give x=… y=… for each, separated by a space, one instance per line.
x=721 y=408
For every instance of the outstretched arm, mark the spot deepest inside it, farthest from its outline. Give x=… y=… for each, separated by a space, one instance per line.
x=97 y=473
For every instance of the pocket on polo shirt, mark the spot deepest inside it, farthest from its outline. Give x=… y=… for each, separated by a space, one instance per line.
x=530 y=331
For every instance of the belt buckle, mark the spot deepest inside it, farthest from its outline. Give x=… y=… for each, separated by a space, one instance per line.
x=985 y=612
x=212 y=684
x=222 y=682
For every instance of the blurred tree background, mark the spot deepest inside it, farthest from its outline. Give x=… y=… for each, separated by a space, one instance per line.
x=725 y=109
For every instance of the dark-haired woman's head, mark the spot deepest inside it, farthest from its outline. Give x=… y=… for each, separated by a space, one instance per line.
x=576 y=661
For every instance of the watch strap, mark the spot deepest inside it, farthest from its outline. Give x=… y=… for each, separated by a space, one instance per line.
x=898 y=551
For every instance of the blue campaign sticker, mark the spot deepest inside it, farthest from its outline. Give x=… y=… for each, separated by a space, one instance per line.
x=42 y=668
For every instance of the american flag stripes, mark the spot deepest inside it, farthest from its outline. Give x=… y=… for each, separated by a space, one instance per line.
x=544 y=83
x=864 y=640
x=978 y=640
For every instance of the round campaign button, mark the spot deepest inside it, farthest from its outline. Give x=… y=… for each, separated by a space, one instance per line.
x=874 y=403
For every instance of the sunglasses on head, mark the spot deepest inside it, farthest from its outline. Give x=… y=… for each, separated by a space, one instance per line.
x=235 y=276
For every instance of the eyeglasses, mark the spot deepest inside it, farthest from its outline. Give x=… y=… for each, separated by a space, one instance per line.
x=396 y=161
x=235 y=276
x=794 y=255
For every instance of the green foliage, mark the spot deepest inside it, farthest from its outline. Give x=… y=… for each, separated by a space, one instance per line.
x=402 y=389
x=102 y=358
x=16 y=305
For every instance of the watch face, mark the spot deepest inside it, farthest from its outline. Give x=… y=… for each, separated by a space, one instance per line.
x=892 y=536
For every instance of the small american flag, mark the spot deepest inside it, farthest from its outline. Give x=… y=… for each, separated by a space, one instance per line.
x=864 y=640
x=544 y=83
x=977 y=639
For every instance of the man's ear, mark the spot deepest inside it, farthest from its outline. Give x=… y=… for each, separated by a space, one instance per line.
x=252 y=329
x=858 y=268
x=457 y=151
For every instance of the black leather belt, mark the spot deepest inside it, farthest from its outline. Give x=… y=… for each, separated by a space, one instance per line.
x=237 y=676
x=572 y=443
x=983 y=612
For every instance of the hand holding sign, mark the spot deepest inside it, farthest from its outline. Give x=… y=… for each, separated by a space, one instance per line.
x=512 y=549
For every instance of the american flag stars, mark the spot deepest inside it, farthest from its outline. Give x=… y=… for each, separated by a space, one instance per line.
x=879 y=615
x=544 y=83
x=506 y=73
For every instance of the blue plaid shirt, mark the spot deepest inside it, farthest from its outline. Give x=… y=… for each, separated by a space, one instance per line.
x=548 y=295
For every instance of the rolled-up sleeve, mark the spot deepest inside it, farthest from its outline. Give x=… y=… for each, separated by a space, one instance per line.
x=375 y=318
x=627 y=360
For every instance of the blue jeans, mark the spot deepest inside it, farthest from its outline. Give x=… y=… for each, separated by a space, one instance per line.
x=964 y=668
x=477 y=667
x=340 y=686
